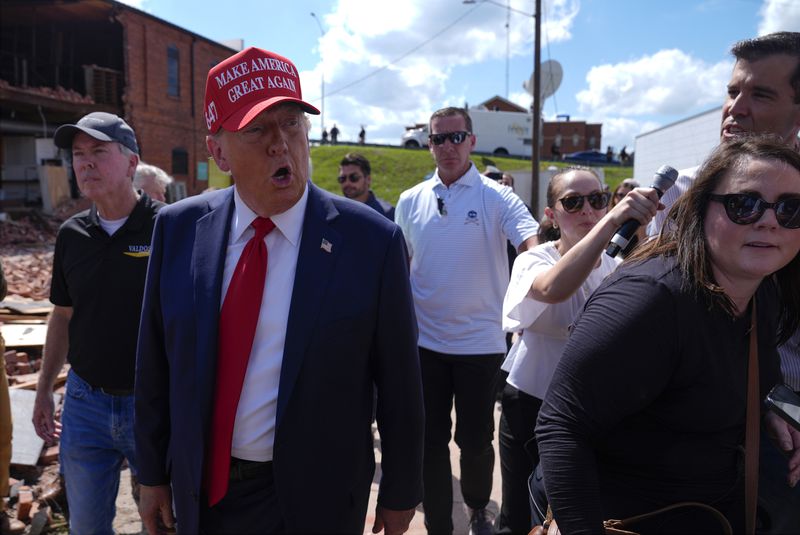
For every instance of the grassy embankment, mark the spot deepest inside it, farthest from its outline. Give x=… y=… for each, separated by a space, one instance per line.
x=394 y=169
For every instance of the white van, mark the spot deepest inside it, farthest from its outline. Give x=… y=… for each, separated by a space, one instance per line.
x=500 y=133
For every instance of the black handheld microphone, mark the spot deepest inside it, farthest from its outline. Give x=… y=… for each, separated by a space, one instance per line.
x=663 y=180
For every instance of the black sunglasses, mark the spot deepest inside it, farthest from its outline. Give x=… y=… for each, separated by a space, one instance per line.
x=352 y=177
x=747 y=208
x=456 y=138
x=597 y=200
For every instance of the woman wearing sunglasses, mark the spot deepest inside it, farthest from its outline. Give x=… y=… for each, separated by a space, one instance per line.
x=549 y=285
x=647 y=406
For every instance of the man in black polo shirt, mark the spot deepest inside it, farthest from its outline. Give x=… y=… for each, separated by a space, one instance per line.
x=99 y=271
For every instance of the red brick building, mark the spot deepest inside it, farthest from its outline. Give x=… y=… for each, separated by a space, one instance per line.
x=570 y=136
x=498 y=103
x=62 y=59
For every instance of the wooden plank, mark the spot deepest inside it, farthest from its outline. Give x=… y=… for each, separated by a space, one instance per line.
x=22 y=318
x=31 y=383
x=27 y=446
x=23 y=335
x=27 y=307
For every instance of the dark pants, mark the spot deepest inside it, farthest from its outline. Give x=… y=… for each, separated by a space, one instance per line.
x=518 y=457
x=249 y=507
x=470 y=380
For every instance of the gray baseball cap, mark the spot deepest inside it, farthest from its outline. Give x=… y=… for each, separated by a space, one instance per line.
x=101 y=126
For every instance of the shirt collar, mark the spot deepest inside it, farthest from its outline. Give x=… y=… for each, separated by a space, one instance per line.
x=470 y=178
x=290 y=222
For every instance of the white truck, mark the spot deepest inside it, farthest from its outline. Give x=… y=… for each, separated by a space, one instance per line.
x=500 y=133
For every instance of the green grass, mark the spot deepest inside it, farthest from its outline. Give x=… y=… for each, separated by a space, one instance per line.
x=395 y=169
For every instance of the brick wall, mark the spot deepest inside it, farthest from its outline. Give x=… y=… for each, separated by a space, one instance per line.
x=163 y=122
x=574 y=136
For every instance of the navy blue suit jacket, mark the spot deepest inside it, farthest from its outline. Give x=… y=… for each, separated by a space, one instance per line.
x=351 y=325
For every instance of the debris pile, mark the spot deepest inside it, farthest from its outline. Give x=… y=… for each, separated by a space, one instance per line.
x=36 y=496
x=27 y=239
x=58 y=92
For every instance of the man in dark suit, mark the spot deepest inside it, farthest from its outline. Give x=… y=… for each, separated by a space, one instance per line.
x=333 y=318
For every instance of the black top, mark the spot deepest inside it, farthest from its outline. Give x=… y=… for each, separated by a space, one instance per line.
x=647 y=406
x=102 y=278
x=381 y=206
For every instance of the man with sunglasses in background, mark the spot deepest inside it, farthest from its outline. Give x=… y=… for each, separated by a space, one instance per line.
x=763 y=96
x=456 y=226
x=355 y=180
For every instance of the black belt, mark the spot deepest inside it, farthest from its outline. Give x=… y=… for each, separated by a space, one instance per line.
x=116 y=391
x=242 y=469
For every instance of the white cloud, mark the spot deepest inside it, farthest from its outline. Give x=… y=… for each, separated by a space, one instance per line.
x=621 y=131
x=521 y=98
x=669 y=82
x=416 y=44
x=779 y=15
x=138 y=4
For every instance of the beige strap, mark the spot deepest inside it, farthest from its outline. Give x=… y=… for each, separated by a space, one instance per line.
x=619 y=525
x=751 y=440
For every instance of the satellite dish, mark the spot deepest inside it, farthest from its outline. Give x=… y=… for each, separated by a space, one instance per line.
x=551 y=77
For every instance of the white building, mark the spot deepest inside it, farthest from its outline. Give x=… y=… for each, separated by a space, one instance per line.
x=682 y=144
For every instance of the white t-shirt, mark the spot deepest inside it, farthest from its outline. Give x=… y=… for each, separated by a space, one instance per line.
x=532 y=359
x=459 y=260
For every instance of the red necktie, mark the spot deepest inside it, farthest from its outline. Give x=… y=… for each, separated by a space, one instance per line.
x=237 y=326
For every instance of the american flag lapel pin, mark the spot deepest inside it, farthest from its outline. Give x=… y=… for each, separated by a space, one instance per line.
x=326 y=245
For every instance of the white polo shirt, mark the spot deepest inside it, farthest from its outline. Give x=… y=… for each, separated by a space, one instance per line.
x=459 y=263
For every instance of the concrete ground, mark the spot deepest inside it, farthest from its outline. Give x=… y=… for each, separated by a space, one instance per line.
x=127 y=520
x=460 y=518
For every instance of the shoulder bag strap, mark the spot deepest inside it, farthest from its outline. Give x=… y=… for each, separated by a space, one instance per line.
x=751 y=441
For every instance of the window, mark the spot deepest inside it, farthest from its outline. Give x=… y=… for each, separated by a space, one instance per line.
x=180 y=162
x=173 y=71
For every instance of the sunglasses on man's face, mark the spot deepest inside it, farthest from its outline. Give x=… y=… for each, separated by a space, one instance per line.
x=456 y=138
x=597 y=200
x=352 y=177
x=747 y=208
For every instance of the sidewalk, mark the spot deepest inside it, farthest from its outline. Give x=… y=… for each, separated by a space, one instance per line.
x=460 y=518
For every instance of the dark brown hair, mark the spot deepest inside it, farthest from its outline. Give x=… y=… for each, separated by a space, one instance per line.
x=547 y=230
x=769 y=45
x=450 y=112
x=683 y=234
x=353 y=158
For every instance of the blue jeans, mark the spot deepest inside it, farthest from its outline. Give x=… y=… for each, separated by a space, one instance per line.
x=96 y=435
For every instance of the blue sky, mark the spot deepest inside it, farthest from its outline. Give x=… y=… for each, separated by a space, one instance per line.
x=632 y=65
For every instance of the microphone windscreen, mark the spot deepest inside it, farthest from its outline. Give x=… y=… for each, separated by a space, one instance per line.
x=665 y=177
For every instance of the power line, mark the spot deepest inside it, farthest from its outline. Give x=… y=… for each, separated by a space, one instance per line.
x=402 y=56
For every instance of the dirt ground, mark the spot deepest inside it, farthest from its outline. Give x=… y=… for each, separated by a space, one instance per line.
x=127 y=521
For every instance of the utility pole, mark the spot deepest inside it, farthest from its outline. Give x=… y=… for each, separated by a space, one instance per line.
x=322 y=75
x=537 y=107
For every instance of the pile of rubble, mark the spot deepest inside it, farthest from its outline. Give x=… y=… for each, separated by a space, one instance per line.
x=27 y=239
x=36 y=497
x=58 y=93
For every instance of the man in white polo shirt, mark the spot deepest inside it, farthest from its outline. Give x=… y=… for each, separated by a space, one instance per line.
x=456 y=225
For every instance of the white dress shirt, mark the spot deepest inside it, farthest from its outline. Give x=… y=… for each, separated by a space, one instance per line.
x=254 y=427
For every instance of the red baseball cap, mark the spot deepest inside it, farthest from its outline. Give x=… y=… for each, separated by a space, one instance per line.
x=248 y=83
